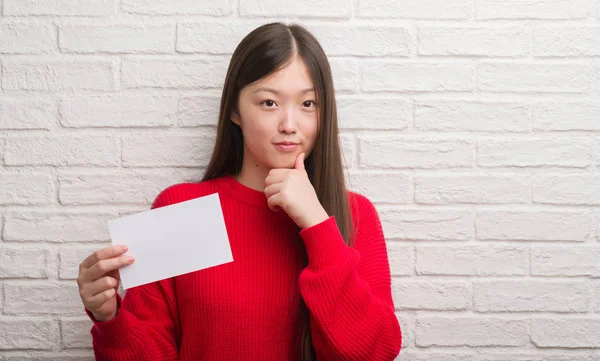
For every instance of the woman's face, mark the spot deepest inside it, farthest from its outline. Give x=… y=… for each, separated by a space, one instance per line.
x=278 y=116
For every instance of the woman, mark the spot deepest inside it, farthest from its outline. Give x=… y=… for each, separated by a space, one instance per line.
x=310 y=278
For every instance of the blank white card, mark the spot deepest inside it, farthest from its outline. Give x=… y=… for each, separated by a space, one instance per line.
x=172 y=240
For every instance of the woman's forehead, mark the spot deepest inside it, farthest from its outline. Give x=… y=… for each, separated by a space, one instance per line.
x=293 y=79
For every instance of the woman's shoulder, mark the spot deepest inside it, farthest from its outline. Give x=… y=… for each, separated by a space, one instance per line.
x=185 y=191
x=365 y=220
x=360 y=204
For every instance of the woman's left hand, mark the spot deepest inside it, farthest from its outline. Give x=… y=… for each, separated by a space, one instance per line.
x=291 y=190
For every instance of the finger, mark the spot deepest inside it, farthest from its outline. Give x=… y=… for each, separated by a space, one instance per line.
x=100 y=285
x=274 y=202
x=95 y=302
x=273 y=189
x=276 y=175
x=105 y=266
x=104 y=253
x=299 y=164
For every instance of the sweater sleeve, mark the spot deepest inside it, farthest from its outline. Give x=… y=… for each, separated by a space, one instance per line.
x=147 y=323
x=348 y=290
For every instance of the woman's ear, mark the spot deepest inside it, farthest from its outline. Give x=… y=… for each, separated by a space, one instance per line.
x=235 y=118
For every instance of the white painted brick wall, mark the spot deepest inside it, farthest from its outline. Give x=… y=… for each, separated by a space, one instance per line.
x=474 y=126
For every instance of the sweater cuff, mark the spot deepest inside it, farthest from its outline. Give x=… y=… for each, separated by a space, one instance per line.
x=114 y=328
x=324 y=244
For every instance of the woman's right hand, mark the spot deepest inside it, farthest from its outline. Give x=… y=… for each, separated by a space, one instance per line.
x=99 y=281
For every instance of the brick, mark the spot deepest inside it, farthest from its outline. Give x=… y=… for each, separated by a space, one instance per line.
x=27 y=333
x=61 y=8
x=118 y=111
x=427 y=225
x=562 y=116
x=2 y=150
x=565 y=261
x=70 y=258
x=119 y=187
x=596 y=78
x=598 y=227
x=419 y=355
x=26 y=188
x=565 y=332
x=407 y=325
x=401 y=258
x=415 y=9
x=374 y=113
x=382 y=187
x=581 y=189
x=450 y=189
x=596 y=151
x=76 y=333
x=21 y=38
x=211 y=37
x=500 y=354
x=27 y=113
x=566 y=41
x=379 y=76
x=472 y=260
x=534 y=152
x=178 y=7
x=427 y=295
x=57 y=75
x=534 y=225
x=196 y=111
x=23 y=263
x=471 y=331
x=47 y=298
x=595 y=293
x=117 y=39
x=180 y=73
x=530 y=296
x=56 y=227
x=345 y=73
x=476 y=116
x=166 y=151
x=414 y=152
x=60 y=150
x=348 y=149
x=363 y=40
x=524 y=9
x=473 y=41
x=572 y=355
x=526 y=78
x=275 y=8
x=80 y=355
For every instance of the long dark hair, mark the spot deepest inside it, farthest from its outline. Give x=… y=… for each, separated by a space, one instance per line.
x=262 y=52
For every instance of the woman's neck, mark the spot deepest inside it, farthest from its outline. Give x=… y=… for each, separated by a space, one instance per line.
x=252 y=175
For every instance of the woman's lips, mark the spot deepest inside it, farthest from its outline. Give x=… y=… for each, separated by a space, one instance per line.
x=286 y=147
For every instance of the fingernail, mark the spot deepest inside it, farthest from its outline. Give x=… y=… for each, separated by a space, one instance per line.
x=130 y=259
x=124 y=248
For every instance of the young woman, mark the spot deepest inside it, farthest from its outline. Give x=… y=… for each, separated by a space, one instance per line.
x=310 y=278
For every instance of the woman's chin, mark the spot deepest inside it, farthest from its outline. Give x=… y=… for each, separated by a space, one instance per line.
x=282 y=163
x=285 y=160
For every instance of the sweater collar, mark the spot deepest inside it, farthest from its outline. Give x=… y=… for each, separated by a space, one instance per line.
x=237 y=190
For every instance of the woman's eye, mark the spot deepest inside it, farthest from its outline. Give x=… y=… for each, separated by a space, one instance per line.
x=308 y=103
x=269 y=103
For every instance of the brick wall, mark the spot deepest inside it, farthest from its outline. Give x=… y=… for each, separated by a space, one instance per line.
x=473 y=125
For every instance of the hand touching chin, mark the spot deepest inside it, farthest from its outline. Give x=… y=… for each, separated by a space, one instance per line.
x=292 y=191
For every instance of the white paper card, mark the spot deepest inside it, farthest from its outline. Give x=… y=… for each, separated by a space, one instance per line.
x=172 y=240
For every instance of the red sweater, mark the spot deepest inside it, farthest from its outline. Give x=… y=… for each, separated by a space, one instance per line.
x=247 y=309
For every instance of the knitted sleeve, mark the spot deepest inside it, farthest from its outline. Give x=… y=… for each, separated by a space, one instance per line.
x=348 y=290
x=146 y=326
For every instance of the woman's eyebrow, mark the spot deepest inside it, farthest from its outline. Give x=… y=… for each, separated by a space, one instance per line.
x=276 y=92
